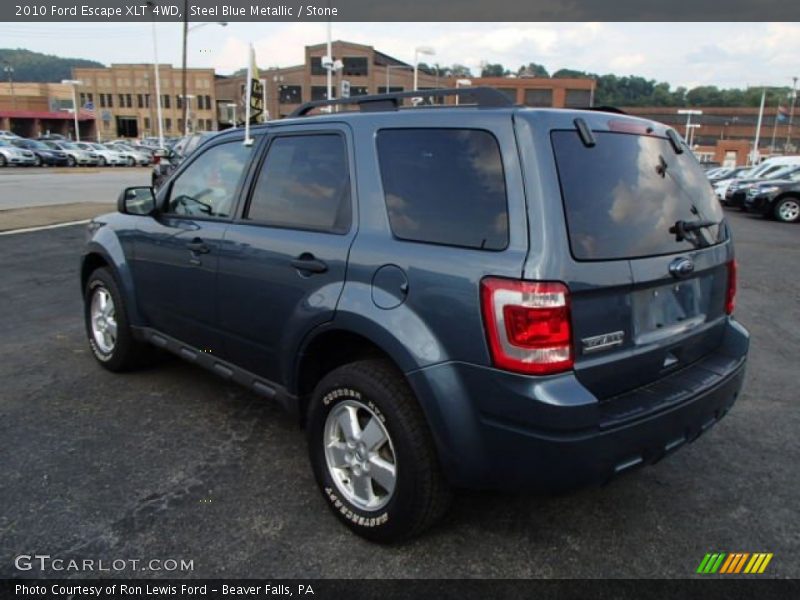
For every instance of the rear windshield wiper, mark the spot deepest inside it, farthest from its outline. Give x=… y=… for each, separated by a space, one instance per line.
x=681 y=228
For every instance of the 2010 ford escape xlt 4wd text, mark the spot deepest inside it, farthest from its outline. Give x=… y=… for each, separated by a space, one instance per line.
x=474 y=296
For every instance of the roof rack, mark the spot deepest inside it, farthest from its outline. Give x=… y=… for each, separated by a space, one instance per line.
x=483 y=97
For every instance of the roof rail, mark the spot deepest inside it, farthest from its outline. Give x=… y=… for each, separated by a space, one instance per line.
x=483 y=97
x=608 y=109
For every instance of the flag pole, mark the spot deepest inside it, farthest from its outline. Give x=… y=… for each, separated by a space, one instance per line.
x=247 y=140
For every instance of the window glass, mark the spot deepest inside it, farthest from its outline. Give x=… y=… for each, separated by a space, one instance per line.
x=623 y=195
x=304 y=184
x=444 y=186
x=207 y=187
x=290 y=94
x=355 y=65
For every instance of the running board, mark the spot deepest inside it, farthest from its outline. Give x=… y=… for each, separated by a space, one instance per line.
x=222 y=368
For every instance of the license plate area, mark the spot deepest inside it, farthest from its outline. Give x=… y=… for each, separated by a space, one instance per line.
x=669 y=310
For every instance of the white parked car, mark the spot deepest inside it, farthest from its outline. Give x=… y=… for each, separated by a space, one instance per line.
x=11 y=155
x=105 y=155
x=8 y=135
x=132 y=156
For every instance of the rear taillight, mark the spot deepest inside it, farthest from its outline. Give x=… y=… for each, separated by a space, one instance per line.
x=730 y=296
x=527 y=325
x=156 y=160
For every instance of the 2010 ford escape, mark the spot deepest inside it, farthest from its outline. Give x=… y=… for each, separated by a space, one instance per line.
x=483 y=296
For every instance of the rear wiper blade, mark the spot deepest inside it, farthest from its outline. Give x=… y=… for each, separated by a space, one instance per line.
x=681 y=228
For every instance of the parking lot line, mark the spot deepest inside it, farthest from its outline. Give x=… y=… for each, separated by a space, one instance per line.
x=42 y=227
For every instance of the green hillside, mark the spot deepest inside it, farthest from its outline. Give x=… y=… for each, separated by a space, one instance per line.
x=35 y=66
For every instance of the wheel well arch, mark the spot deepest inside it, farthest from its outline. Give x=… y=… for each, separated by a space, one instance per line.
x=328 y=351
x=91 y=262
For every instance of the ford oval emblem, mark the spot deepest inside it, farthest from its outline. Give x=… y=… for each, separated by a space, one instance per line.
x=681 y=267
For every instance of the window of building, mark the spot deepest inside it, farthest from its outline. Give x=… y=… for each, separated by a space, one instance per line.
x=355 y=66
x=147 y=123
x=209 y=125
x=122 y=100
x=180 y=125
x=102 y=100
x=140 y=100
x=304 y=184
x=444 y=186
x=207 y=188
x=83 y=99
x=147 y=100
x=392 y=89
x=208 y=102
x=320 y=92
x=166 y=100
x=538 y=97
x=128 y=101
x=290 y=94
x=358 y=90
x=168 y=124
x=110 y=100
x=90 y=97
x=178 y=102
x=577 y=98
x=316 y=66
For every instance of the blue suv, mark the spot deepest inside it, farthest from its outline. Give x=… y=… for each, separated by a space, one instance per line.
x=473 y=296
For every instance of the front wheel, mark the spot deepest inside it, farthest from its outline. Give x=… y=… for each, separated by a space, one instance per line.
x=110 y=337
x=101 y=162
x=71 y=162
x=131 y=161
x=788 y=210
x=372 y=453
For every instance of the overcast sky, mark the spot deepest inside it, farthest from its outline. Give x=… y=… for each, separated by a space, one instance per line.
x=688 y=54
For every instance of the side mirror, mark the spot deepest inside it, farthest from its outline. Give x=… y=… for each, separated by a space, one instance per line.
x=137 y=201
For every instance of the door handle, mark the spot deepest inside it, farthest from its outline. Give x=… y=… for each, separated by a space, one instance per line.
x=306 y=262
x=198 y=246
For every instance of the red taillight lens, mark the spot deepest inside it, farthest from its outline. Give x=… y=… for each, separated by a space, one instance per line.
x=527 y=325
x=156 y=159
x=730 y=297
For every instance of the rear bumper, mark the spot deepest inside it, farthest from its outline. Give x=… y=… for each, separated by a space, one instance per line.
x=499 y=430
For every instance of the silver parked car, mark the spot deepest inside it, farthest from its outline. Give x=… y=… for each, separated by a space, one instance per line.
x=75 y=155
x=132 y=156
x=12 y=155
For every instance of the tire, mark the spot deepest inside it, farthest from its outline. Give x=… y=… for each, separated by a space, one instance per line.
x=131 y=161
x=101 y=162
x=787 y=210
x=120 y=351
x=37 y=161
x=390 y=488
x=71 y=162
x=3 y=161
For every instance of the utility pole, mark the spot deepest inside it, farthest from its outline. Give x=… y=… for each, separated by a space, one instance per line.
x=791 y=112
x=10 y=72
x=183 y=64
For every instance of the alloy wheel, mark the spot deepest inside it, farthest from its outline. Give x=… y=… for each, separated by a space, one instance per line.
x=104 y=322
x=360 y=455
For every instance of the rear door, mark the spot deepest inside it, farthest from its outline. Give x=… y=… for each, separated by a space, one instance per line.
x=282 y=266
x=632 y=202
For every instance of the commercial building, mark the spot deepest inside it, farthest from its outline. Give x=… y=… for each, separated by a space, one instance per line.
x=33 y=109
x=726 y=135
x=123 y=99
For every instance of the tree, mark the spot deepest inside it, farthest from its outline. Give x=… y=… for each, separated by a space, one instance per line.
x=532 y=70
x=494 y=70
x=35 y=66
x=572 y=73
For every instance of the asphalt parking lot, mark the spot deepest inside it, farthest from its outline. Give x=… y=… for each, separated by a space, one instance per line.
x=172 y=462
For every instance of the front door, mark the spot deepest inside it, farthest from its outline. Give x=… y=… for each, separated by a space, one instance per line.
x=176 y=252
x=282 y=265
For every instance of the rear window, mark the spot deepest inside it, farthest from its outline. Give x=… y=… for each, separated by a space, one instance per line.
x=622 y=196
x=444 y=186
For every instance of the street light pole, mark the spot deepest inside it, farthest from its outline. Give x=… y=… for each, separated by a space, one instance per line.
x=10 y=72
x=158 y=80
x=74 y=83
x=417 y=51
x=758 y=125
x=183 y=61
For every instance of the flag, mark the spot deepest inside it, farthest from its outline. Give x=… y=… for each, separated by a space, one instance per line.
x=256 y=101
x=783 y=114
x=88 y=108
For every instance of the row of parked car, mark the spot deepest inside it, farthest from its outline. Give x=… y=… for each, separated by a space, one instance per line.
x=771 y=188
x=55 y=150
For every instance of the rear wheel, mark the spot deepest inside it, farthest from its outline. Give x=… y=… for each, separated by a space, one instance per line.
x=131 y=161
x=3 y=161
x=788 y=209
x=107 y=327
x=71 y=162
x=372 y=453
x=101 y=162
x=37 y=161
